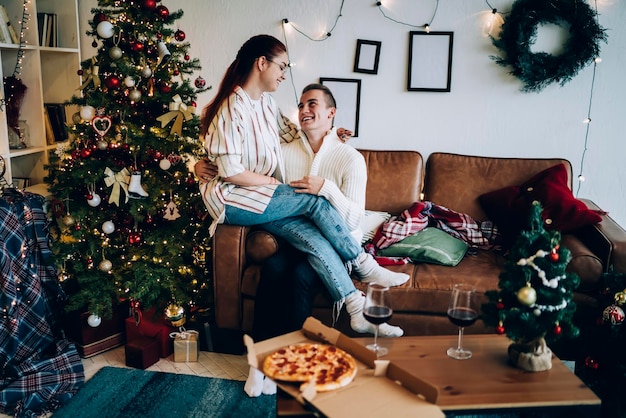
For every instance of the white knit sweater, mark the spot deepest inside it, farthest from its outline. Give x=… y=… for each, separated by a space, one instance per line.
x=343 y=169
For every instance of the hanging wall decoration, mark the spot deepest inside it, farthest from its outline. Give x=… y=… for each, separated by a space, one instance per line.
x=536 y=70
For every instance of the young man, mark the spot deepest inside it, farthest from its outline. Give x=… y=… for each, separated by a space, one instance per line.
x=318 y=163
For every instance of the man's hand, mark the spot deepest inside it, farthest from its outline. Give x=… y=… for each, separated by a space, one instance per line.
x=344 y=134
x=308 y=184
x=205 y=170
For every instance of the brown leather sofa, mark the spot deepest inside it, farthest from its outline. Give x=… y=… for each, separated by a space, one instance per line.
x=396 y=179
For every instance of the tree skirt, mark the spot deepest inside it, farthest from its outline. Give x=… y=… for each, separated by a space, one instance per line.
x=118 y=392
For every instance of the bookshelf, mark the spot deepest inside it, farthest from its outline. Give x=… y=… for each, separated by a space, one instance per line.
x=49 y=74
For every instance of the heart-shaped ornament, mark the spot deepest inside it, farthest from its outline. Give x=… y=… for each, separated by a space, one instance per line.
x=101 y=124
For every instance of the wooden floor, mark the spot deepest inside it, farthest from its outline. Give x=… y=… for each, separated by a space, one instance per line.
x=225 y=366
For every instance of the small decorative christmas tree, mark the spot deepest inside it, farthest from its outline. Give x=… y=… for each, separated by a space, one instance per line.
x=129 y=217
x=534 y=300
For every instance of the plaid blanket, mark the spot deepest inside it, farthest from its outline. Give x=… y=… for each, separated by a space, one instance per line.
x=40 y=369
x=480 y=235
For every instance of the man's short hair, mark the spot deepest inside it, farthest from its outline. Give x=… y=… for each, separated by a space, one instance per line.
x=328 y=95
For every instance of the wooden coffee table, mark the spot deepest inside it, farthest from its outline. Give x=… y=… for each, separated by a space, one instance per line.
x=487 y=382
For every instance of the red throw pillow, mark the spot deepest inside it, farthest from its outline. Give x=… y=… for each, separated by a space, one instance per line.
x=509 y=207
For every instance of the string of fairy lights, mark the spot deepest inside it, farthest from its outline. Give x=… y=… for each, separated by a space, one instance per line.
x=17 y=70
x=492 y=21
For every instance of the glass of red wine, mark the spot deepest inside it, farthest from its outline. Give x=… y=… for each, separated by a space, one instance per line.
x=462 y=312
x=377 y=310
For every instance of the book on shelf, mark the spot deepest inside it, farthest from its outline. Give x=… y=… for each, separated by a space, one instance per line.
x=9 y=36
x=48 y=29
x=48 y=124
x=57 y=117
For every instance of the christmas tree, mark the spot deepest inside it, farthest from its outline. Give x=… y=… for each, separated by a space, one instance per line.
x=128 y=217
x=603 y=366
x=534 y=299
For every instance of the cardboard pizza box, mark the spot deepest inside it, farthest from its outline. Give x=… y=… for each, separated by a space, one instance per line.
x=380 y=388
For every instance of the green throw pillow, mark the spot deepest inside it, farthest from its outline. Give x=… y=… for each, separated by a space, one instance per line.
x=430 y=245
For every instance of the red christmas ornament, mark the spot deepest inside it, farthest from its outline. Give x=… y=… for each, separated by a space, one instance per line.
x=112 y=82
x=134 y=238
x=159 y=36
x=554 y=254
x=557 y=329
x=613 y=314
x=179 y=35
x=85 y=153
x=137 y=46
x=163 y=11
x=500 y=305
x=200 y=82
x=187 y=57
x=500 y=329
x=165 y=88
x=80 y=72
x=591 y=363
x=149 y=4
x=99 y=17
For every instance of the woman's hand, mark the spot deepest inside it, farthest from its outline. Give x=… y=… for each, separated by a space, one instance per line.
x=344 y=134
x=205 y=170
x=308 y=184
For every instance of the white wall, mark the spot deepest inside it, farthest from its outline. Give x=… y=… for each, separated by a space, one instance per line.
x=484 y=114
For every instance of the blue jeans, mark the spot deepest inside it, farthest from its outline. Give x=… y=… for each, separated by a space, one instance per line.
x=314 y=227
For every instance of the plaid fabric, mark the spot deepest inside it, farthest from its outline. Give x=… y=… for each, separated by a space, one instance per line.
x=39 y=367
x=480 y=235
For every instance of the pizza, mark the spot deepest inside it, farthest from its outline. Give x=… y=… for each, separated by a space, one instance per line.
x=327 y=366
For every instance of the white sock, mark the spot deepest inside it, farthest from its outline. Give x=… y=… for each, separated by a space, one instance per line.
x=269 y=386
x=369 y=271
x=254 y=383
x=354 y=306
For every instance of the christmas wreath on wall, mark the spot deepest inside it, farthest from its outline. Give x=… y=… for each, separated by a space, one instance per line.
x=538 y=69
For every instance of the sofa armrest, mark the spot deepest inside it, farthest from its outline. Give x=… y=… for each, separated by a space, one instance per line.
x=606 y=239
x=229 y=259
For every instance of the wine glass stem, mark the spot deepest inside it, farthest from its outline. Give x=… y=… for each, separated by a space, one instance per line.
x=376 y=339
x=459 y=345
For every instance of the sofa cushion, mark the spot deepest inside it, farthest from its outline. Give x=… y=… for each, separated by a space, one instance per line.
x=372 y=220
x=509 y=207
x=431 y=245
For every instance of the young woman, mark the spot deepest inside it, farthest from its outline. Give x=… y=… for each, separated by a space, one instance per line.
x=242 y=128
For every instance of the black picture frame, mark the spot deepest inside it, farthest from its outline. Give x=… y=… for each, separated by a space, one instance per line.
x=430 y=61
x=347 y=93
x=367 y=56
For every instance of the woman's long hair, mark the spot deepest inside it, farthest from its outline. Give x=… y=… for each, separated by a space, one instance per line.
x=239 y=71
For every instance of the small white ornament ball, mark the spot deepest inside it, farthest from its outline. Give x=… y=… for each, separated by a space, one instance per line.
x=108 y=227
x=105 y=29
x=134 y=95
x=129 y=81
x=146 y=72
x=87 y=112
x=94 y=320
x=103 y=145
x=105 y=265
x=95 y=200
x=115 y=53
x=165 y=164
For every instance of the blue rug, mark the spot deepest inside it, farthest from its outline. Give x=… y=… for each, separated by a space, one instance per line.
x=117 y=392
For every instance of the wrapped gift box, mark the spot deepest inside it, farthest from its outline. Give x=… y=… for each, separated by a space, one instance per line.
x=186 y=346
x=89 y=340
x=152 y=326
x=142 y=352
